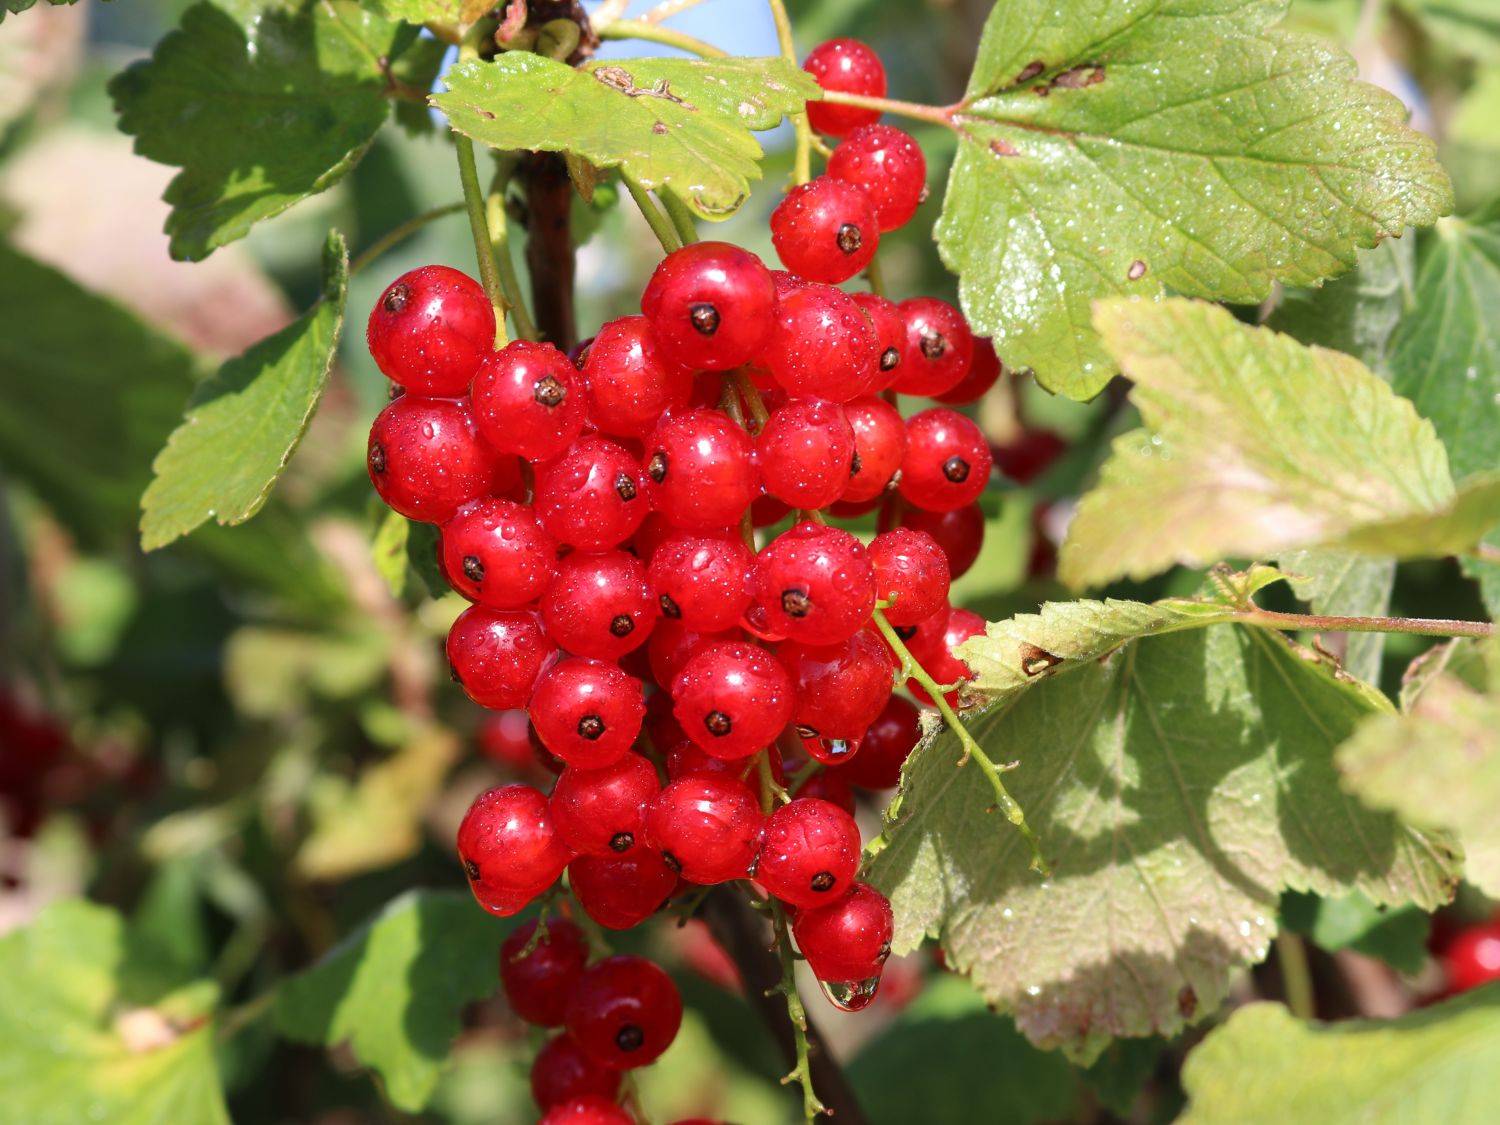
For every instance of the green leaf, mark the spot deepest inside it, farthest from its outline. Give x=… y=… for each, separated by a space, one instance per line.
x=394 y=990
x=1342 y=583
x=1255 y=445
x=259 y=113
x=668 y=123
x=1470 y=27
x=1436 y=1064
x=90 y=1030
x=1134 y=147
x=15 y=7
x=460 y=12
x=1357 y=313
x=389 y=550
x=1438 y=764
x=243 y=425
x=1178 y=786
x=1397 y=937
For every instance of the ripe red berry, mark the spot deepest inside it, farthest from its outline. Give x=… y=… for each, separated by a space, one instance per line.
x=630 y=383
x=831 y=786
x=825 y=230
x=588 y=1110
x=812 y=584
x=911 y=572
x=687 y=757
x=1030 y=454
x=984 y=369
x=562 y=1072
x=840 y=689
x=510 y=850
x=936 y=655
x=672 y=644
x=702 y=581
x=806 y=452
x=538 y=982
x=810 y=853
x=587 y=712
x=709 y=305
x=960 y=532
x=495 y=553
x=947 y=462
x=848 y=67
x=890 y=336
x=593 y=497
x=702 y=469
x=427 y=460
x=600 y=605
x=879 y=446
x=1472 y=958
x=848 y=940
x=885 y=747
x=939 y=347
x=707 y=827
x=887 y=164
x=497 y=655
x=503 y=737
x=529 y=400
x=431 y=329
x=621 y=892
x=823 y=345
x=732 y=698
x=625 y=1011
x=603 y=812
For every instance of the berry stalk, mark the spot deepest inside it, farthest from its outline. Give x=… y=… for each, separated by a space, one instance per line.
x=801 y=1073
x=474 y=203
x=660 y=225
x=802 y=162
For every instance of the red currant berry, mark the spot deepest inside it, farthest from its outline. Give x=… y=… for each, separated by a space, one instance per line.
x=879 y=446
x=768 y=510
x=813 y=584
x=825 y=230
x=939 y=347
x=849 y=940
x=710 y=305
x=887 y=164
x=890 y=336
x=587 y=712
x=1030 y=454
x=938 y=659
x=703 y=581
x=823 y=345
x=495 y=553
x=702 y=467
x=562 y=1072
x=621 y=892
x=509 y=848
x=625 y=1011
x=1472 y=958
x=911 y=573
x=427 y=460
x=594 y=496
x=846 y=66
x=603 y=812
x=984 y=370
x=886 y=745
x=732 y=698
x=430 y=331
x=830 y=786
x=630 y=383
x=947 y=462
x=810 y=853
x=840 y=688
x=672 y=645
x=504 y=738
x=707 y=827
x=600 y=605
x=588 y=1110
x=806 y=452
x=960 y=533
x=497 y=655
x=539 y=980
x=529 y=400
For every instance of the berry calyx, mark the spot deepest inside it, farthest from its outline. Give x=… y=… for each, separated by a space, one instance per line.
x=603 y=812
x=600 y=605
x=509 y=848
x=709 y=305
x=624 y=1012
x=701 y=580
x=810 y=853
x=806 y=452
x=539 y=975
x=732 y=698
x=887 y=164
x=947 y=463
x=495 y=553
x=630 y=383
x=823 y=345
x=431 y=329
x=812 y=584
x=427 y=460
x=825 y=230
x=620 y=892
x=707 y=827
x=528 y=400
x=587 y=712
x=497 y=655
x=593 y=497
x=911 y=573
x=562 y=1072
x=847 y=941
x=939 y=347
x=701 y=465
x=849 y=67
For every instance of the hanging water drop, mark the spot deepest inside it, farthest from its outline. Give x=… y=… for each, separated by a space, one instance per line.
x=850 y=995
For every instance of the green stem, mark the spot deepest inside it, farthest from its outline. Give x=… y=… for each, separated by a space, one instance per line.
x=474 y=203
x=751 y=394
x=399 y=234
x=659 y=224
x=1324 y=623
x=772 y=791
x=802 y=1072
x=802 y=161
x=650 y=32
x=510 y=283
x=1296 y=976
x=237 y=1019
x=875 y=276
x=682 y=219
x=933 y=114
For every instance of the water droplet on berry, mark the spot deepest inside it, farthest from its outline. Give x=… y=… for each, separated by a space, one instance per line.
x=850 y=995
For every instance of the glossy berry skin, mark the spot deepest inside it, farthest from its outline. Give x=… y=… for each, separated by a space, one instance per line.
x=497 y=655
x=732 y=698
x=886 y=745
x=707 y=827
x=562 y=1072
x=823 y=345
x=702 y=468
x=947 y=462
x=495 y=553
x=702 y=581
x=529 y=400
x=813 y=584
x=985 y=370
x=503 y=737
x=1472 y=958
x=600 y=605
x=621 y=892
x=1030 y=454
x=603 y=812
x=595 y=496
x=939 y=347
x=688 y=757
x=509 y=848
x=709 y=305
x=879 y=446
x=830 y=786
x=847 y=940
x=625 y=1011
x=840 y=688
x=890 y=336
x=630 y=383
x=825 y=230
x=587 y=712
x=672 y=645
x=427 y=460
x=591 y=1109
x=888 y=165
x=810 y=853
x=806 y=452
x=911 y=572
x=849 y=67
x=538 y=983
x=937 y=659
x=960 y=532
x=431 y=329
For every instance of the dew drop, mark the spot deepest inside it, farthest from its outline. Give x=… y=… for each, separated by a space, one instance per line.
x=850 y=995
